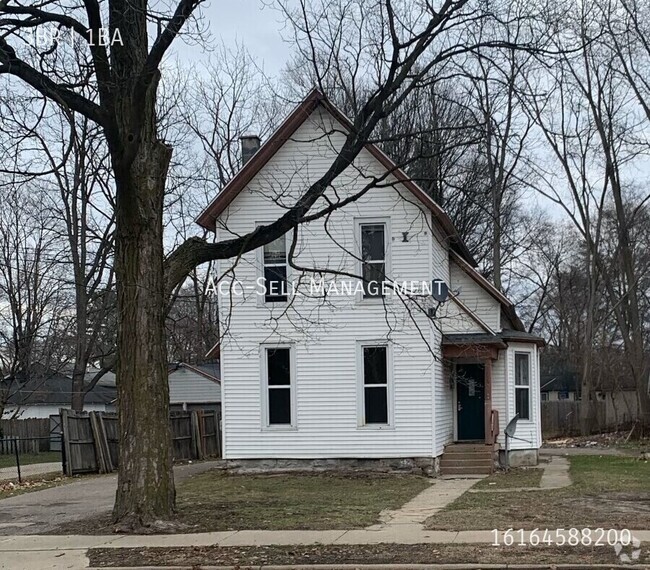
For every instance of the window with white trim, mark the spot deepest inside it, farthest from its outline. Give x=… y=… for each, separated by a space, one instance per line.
x=278 y=386
x=375 y=385
x=373 y=258
x=522 y=385
x=275 y=270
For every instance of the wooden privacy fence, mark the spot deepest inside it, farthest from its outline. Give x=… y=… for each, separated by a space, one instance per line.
x=33 y=435
x=562 y=418
x=90 y=440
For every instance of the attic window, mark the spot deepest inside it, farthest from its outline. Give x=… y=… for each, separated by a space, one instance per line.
x=275 y=271
x=373 y=258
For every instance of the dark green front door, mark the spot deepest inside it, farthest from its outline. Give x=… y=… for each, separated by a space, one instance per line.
x=470 y=384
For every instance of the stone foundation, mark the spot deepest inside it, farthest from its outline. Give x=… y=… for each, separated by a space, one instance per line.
x=427 y=466
x=520 y=457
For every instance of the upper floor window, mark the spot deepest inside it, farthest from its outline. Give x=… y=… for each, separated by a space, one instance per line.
x=522 y=385
x=275 y=270
x=373 y=258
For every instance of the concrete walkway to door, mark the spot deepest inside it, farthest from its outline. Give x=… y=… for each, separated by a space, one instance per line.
x=442 y=492
x=555 y=476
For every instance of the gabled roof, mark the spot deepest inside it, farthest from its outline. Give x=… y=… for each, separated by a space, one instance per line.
x=285 y=131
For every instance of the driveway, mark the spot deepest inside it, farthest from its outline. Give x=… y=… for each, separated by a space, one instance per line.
x=10 y=473
x=40 y=512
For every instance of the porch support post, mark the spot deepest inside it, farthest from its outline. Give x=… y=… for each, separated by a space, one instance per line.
x=488 y=400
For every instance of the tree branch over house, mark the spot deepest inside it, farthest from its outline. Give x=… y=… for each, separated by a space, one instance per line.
x=400 y=51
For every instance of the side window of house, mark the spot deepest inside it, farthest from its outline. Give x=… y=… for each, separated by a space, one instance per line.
x=375 y=385
x=373 y=258
x=522 y=385
x=275 y=271
x=278 y=386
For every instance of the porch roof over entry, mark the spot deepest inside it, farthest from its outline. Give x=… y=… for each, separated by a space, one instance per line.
x=459 y=345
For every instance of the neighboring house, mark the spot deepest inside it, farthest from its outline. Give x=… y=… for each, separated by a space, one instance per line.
x=559 y=389
x=194 y=387
x=558 y=376
x=362 y=374
x=42 y=393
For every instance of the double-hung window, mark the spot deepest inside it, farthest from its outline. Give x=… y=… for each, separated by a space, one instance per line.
x=275 y=270
x=278 y=386
x=375 y=385
x=522 y=385
x=373 y=258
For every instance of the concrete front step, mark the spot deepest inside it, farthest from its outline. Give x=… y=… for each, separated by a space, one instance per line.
x=467 y=459
x=451 y=463
x=466 y=470
x=467 y=447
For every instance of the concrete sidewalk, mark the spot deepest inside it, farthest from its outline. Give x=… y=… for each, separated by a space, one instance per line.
x=402 y=534
x=50 y=552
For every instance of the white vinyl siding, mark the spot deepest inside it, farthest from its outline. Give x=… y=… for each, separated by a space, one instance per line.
x=325 y=348
x=476 y=299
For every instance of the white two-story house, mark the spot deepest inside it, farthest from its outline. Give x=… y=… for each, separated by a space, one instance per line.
x=339 y=342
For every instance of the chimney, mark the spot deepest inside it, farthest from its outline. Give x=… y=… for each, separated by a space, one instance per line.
x=250 y=144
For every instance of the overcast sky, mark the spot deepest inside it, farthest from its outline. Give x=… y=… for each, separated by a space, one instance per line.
x=250 y=22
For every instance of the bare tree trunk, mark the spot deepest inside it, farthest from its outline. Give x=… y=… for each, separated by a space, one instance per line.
x=80 y=357
x=145 y=491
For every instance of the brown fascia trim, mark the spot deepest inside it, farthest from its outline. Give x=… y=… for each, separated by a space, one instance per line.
x=285 y=131
x=471 y=314
x=507 y=306
x=207 y=219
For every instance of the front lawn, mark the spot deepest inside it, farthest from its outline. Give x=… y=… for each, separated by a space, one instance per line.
x=515 y=478
x=216 y=501
x=607 y=492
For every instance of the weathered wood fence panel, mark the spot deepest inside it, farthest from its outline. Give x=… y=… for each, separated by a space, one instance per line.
x=90 y=441
x=78 y=443
x=562 y=418
x=32 y=433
